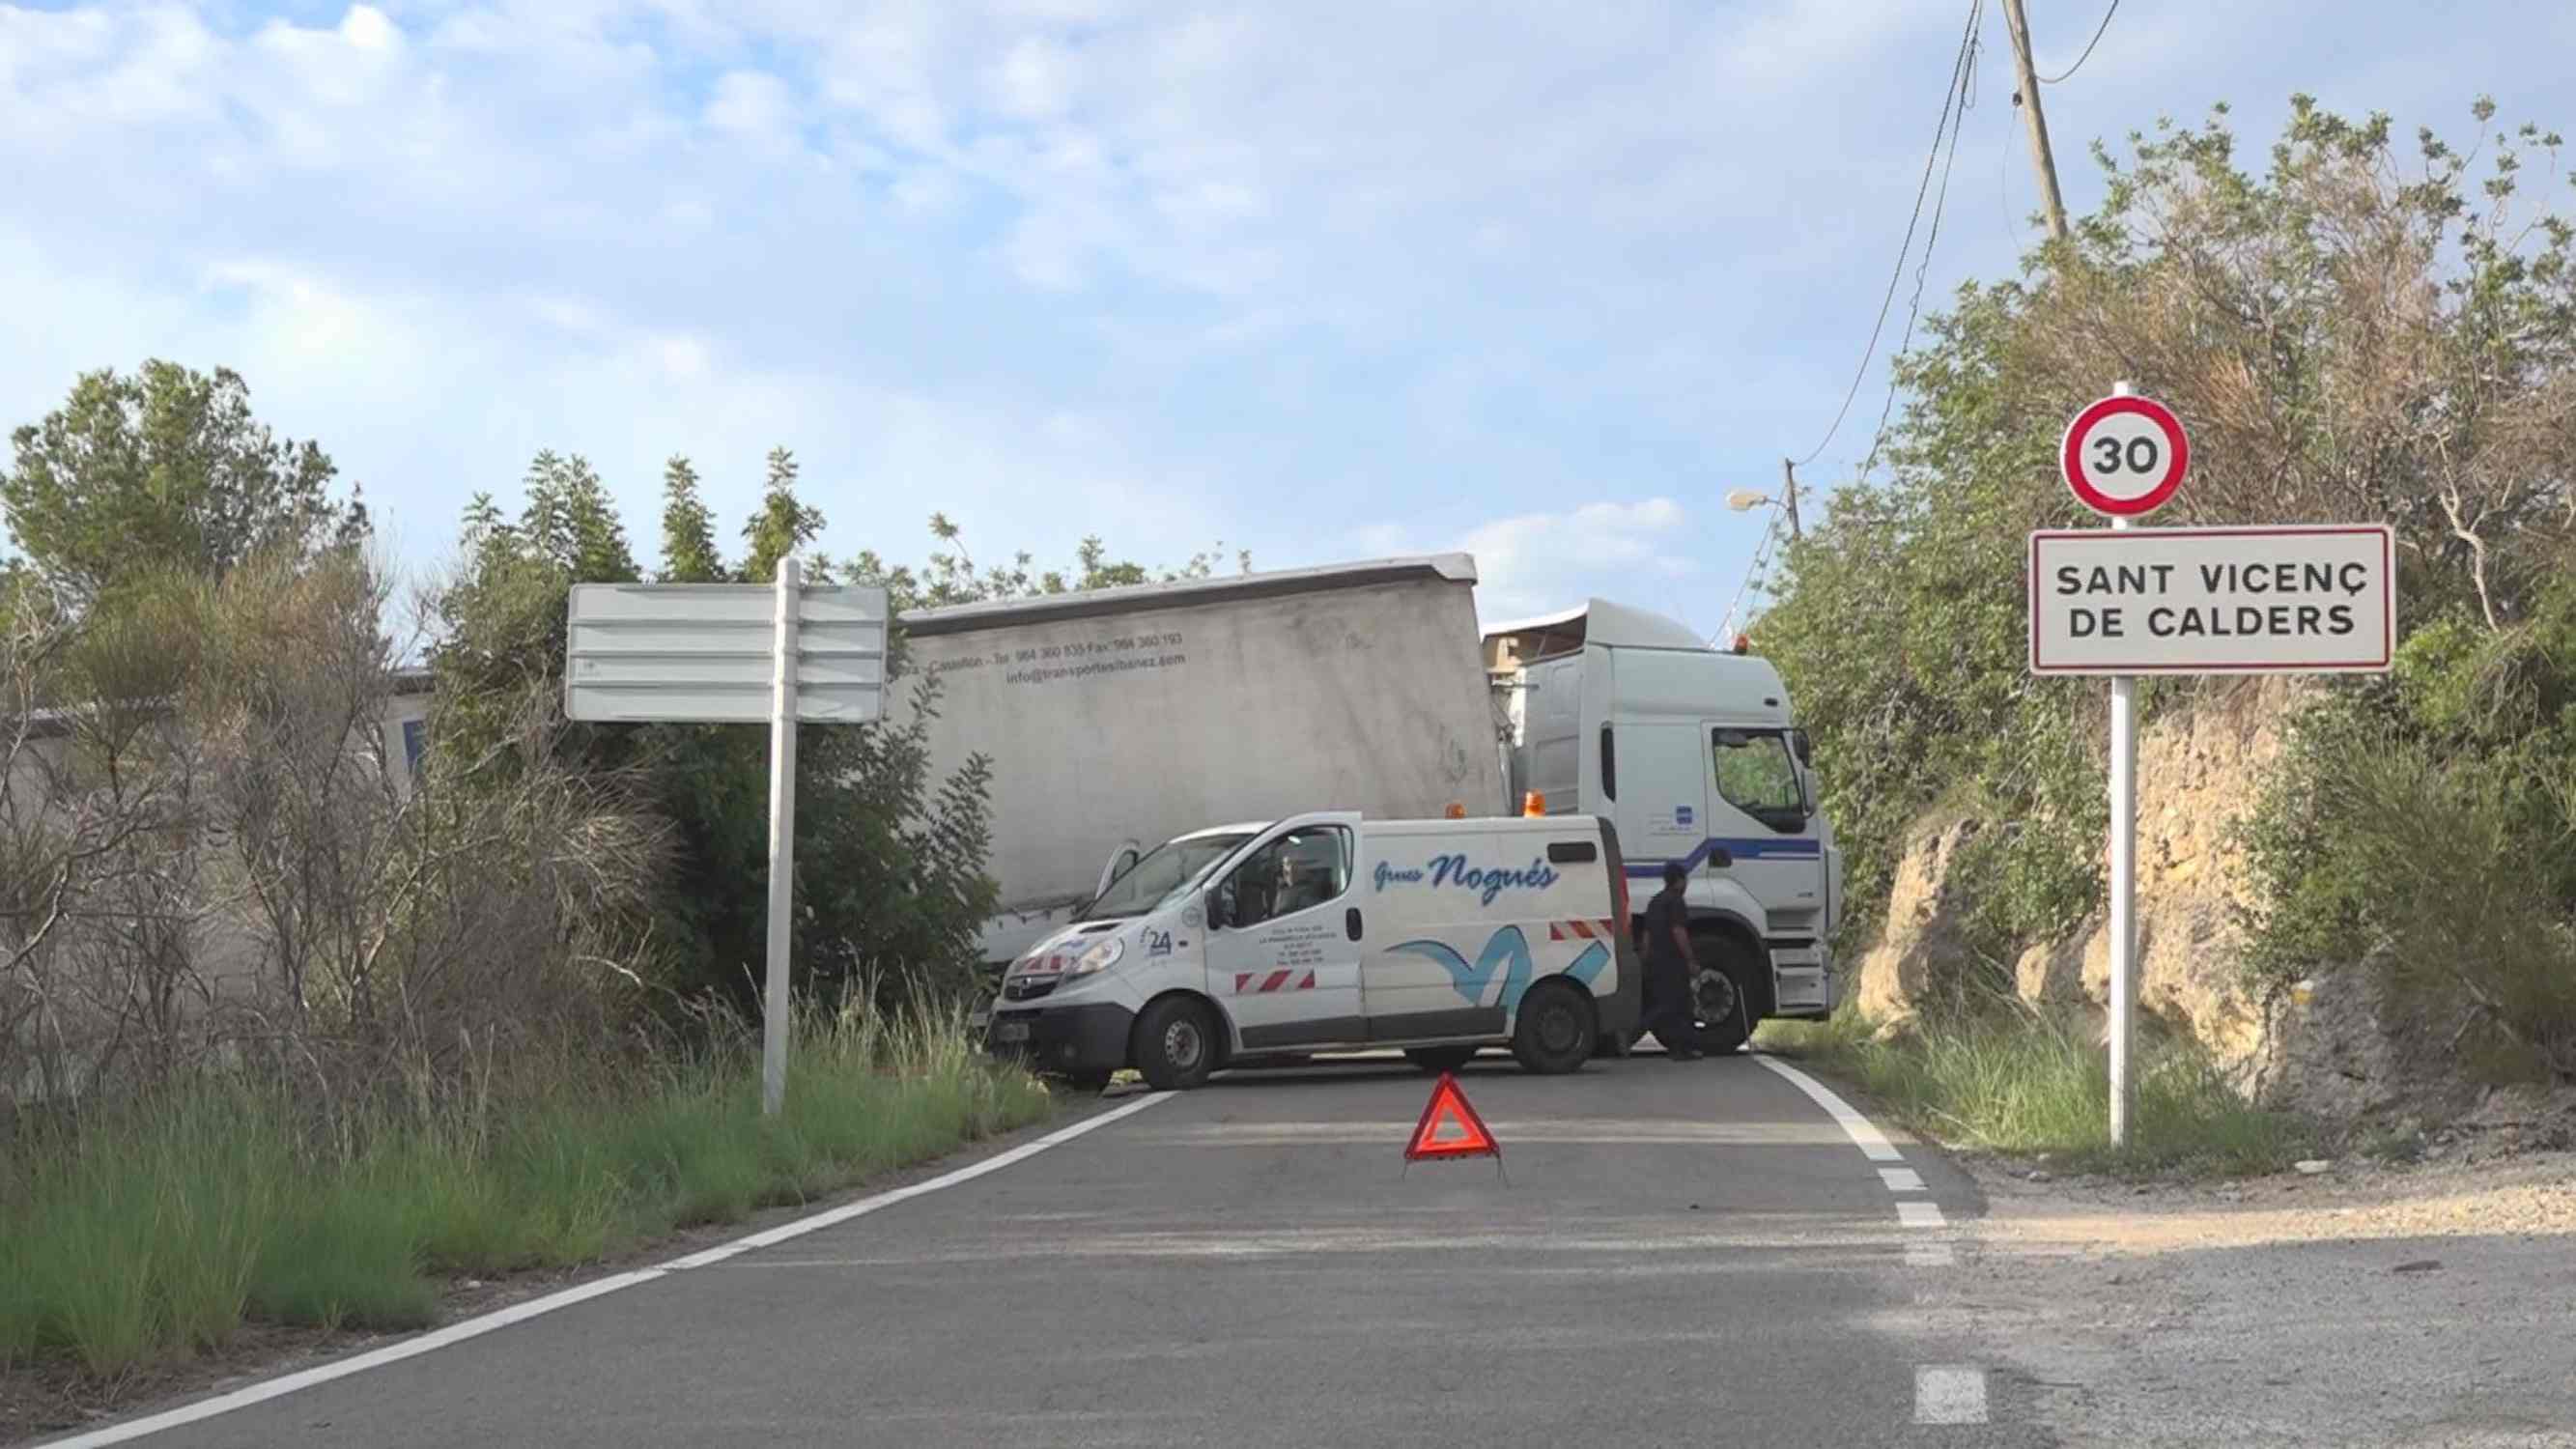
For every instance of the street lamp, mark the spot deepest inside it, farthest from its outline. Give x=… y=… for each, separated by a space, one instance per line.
x=1745 y=500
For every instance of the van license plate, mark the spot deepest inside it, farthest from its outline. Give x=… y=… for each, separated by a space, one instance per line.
x=1010 y=1031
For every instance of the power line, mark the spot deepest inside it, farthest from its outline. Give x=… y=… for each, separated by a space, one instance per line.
x=2050 y=80
x=1931 y=239
x=1896 y=277
x=1760 y=554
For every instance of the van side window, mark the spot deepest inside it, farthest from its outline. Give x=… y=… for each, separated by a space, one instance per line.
x=1298 y=871
x=1756 y=776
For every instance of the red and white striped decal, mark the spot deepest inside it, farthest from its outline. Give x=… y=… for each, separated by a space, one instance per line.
x=1254 y=983
x=1582 y=931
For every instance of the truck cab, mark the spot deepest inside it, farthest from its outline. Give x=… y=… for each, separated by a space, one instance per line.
x=1695 y=755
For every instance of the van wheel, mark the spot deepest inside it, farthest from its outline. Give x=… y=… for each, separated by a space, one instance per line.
x=1176 y=1044
x=1720 y=1004
x=1556 y=1030
x=1440 y=1059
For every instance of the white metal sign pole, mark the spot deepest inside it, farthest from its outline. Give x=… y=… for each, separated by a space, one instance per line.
x=782 y=840
x=2124 y=879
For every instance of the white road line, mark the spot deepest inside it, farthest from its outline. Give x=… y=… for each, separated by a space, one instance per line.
x=1930 y=1255
x=1949 y=1395
x=1921 y=1215
x=1901 y=1179
x=537 y=1307
x=1863 y=1132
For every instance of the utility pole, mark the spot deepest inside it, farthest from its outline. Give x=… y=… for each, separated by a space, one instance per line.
x=1789 y=493
x=2017 y=21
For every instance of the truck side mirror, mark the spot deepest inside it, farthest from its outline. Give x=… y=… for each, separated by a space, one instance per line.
x=1218 y=898
x=1719 y=858
x=1806 y=749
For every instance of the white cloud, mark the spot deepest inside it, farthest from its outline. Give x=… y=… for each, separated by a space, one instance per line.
x=754 y=105
x=1538 y=562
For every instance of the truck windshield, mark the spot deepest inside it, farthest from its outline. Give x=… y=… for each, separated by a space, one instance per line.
x=1170 y=869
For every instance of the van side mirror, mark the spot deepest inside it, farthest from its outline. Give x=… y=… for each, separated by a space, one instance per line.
x=1218 y=898
x=1719 y=858
x=1806 y=749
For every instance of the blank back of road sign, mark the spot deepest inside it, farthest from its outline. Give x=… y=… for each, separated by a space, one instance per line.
x=1449 y=1127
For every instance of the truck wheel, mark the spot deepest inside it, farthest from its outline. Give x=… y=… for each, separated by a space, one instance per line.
x=1176 y=1044
x=1555 y=1031
x=1720 y=1003
x=1440 y=1059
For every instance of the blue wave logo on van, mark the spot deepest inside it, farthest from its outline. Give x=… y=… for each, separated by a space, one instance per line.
x=1506 y=954
x=1488 y=882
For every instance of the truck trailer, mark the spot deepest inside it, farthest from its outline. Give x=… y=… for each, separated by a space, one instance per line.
x=1116 y=719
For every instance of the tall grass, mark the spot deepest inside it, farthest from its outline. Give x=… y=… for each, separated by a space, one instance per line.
x=2016 y=1081
x=154 y=1230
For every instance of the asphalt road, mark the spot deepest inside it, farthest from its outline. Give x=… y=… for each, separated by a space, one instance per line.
x=1681 y=1253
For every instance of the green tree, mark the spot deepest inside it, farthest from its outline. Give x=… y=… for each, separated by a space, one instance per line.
x=688 y=530
x=164 y=469
x=890 y=853
x=2351 y=334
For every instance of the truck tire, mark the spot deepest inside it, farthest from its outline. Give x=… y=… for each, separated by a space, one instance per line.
x=1176 y=1044
x=1721 y=993
x=1556 y=1029
x=1440 y=1059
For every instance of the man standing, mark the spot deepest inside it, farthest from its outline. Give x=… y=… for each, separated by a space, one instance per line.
x=1668 y=966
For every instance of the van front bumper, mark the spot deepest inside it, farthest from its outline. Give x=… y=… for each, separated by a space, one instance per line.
x=1087 y=1037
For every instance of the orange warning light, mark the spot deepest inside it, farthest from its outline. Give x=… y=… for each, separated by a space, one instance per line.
x=1743 y=643
x=1450 y=1128
x=1456 y=811
x=1533 y=803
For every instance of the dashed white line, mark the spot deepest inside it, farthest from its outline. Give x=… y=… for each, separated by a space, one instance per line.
x=1901 y=1179
x=537 y=1307
x=1863 y=1132
x=1930 y=1255
x=1921 y=1215
x=1949 y=1394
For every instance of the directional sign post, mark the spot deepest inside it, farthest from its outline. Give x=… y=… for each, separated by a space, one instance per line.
x=736 y=653
x=2304 y=599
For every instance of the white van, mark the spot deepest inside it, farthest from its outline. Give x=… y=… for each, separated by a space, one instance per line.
x=1331 y=932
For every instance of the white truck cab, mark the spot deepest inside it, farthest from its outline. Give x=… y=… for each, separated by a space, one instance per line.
x=1694 y=754
x=1334 y=932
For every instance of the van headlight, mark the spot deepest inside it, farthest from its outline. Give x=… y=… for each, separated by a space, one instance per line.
x=1104 y=953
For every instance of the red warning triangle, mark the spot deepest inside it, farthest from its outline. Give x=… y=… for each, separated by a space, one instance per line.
x=1450 y=1128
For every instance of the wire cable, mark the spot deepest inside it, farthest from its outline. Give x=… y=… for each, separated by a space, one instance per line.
x=1931 y=239
x=1761 y=553
x=1896 y=277
x=2050 y=80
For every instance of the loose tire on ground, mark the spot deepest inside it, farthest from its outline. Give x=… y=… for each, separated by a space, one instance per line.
x=1176 y=1044
x=1440 y=1059
x=1556 y=1029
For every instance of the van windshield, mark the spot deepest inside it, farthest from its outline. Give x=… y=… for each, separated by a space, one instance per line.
x=1170 y=870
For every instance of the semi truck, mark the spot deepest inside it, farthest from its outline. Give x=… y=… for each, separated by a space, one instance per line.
x=1120 y=719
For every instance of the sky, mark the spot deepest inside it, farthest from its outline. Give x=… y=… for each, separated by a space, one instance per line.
x=1321 y=280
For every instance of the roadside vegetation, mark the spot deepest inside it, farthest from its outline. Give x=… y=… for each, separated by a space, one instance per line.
x=159 y=1226
x=2017 y=1082
x=2361 y=328
x=310 y=1003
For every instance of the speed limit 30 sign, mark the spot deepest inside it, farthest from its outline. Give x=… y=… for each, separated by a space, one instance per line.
x=2124 y=456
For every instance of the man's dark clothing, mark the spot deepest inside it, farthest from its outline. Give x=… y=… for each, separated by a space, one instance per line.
x=1667 y=973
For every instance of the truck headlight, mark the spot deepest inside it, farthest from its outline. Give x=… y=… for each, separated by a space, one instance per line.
x=1102 y=955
